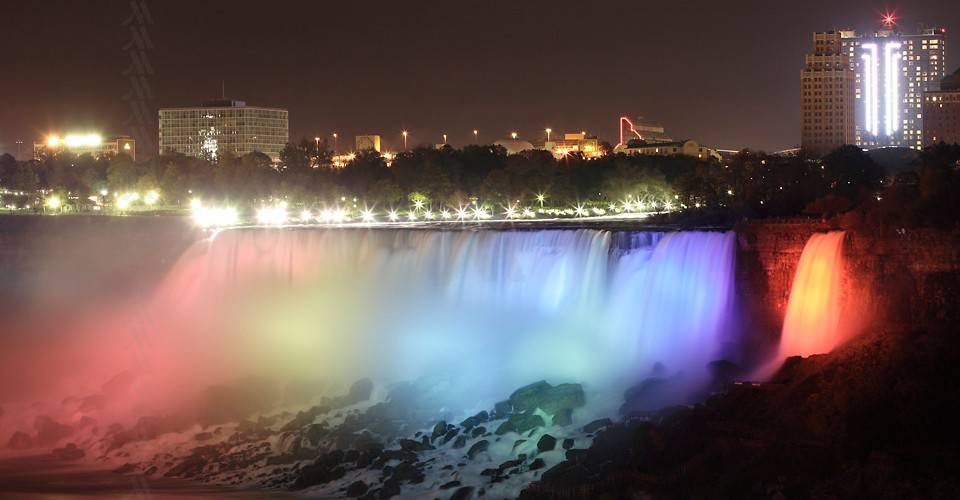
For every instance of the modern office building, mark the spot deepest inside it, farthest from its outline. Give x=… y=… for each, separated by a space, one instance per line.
x=941 y=112
x=224 y=127
x=893 y=69
x=827 y=86
x=87 y=143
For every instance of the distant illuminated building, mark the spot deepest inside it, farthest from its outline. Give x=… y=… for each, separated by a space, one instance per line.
x=576 y=143
x=639 y=129
x=224 y=127
x=88 y=143
x=892 y=72
x=941 y=113
x=368 y=143
x=686 y=147
x=827 y=89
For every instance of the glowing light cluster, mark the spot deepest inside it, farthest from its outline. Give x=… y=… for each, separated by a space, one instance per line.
x=213 y=216
x=273 y=215
x=126 y=199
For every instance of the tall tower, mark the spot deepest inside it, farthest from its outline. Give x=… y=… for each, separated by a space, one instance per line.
x=893 y=70
x=827 y=96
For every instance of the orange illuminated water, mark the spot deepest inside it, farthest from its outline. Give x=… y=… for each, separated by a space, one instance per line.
x=812 y=323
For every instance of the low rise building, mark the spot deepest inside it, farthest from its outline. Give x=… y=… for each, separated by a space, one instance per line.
x=686 y=147
x=89 y=143
x=574 y=143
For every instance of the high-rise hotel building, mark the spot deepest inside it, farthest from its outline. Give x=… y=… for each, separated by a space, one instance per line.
x=892 y=72
x=827 y=96
x=224 y=127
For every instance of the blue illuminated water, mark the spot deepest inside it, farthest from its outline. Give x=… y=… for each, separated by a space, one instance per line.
x=490 y=310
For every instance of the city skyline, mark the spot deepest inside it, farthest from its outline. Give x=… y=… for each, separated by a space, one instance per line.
x=335 y=76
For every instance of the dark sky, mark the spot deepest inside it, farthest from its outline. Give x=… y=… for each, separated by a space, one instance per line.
x=725 y=73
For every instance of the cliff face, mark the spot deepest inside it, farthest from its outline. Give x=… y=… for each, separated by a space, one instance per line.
x=908 y=277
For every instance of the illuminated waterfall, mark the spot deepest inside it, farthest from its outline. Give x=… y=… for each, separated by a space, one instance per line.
x=812 y=323
x=492 y=309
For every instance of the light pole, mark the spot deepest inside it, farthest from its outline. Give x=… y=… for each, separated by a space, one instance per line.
x=404 y=140
x=334 y=142
x=548 y=134
x=513 y=135
x=444 y=138
x=476 y=139
x=19 y=147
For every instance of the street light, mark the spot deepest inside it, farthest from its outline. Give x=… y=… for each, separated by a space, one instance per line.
x=548 y=134
x=334 y=142
x=513 y=135
x=444 y=138
x=476 y=140
x=404 y=140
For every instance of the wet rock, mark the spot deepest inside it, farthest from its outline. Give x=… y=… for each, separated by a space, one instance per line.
x=323 y=470
x=596 y=425
x=520 y=423
x=509 y=464
x=407 y=472
x=723 y=374
x=652 y=394
x=528 y=397
x=518 y=443
x=203 y=436
x=50 y=431
x=356 y=489
x=69 y=452
x=478 y=431
x=415 y=446
x=452 y=433
x=360 y=391
x=460 y=442
x=550 y=399
x=438 y=430
x=568 y=443
x=546 y=443
x=479 y=418
x=477 y=448
x=20 y=441
x=451 y=484
x=537 y=464
x=575 y=454
x=464 y=493
x=563 y=417
x=501 y=409
x=189 y=467
x=126 y=468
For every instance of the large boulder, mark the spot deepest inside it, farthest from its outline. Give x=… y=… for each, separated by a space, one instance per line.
x=49 y=431
x=20 y=441
x=520 y=423
x=550 y=399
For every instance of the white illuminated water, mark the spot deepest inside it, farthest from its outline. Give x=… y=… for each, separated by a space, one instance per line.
x=487 y=310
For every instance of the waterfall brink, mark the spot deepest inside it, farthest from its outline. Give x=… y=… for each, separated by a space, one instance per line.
x=493 y=309
x=812 y=322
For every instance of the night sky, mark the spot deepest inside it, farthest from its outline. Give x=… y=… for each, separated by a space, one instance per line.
x=724 y=73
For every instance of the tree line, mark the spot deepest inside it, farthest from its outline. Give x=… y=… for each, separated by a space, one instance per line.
x=746 y=185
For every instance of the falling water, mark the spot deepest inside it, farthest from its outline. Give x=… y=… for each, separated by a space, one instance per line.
x=812 y=323
x=493 y=309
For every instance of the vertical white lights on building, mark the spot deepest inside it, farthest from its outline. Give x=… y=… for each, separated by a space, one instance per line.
x=891 y=86
x=871 y=63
